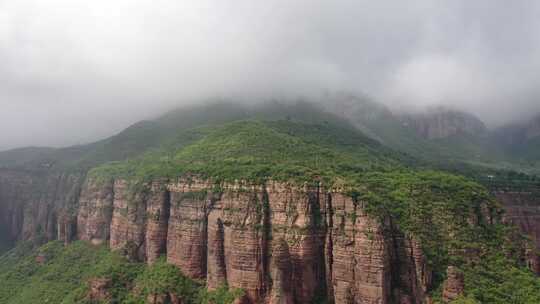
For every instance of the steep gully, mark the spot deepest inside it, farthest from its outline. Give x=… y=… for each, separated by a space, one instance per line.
x=282 y=244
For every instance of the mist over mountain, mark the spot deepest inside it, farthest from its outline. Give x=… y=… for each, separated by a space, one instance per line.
x=103 y=66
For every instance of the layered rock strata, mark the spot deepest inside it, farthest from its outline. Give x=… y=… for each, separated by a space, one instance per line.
x=280 y=243
x=95 y=211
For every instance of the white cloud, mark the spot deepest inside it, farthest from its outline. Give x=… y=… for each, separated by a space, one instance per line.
x=119 y=61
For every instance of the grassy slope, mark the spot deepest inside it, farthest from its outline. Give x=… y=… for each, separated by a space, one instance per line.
x=256 y=150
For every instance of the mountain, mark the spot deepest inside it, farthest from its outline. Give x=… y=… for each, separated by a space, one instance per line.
x=437 y=136
x=440 y=123
x=275 y=203
x=163 y=131
x=445 y=138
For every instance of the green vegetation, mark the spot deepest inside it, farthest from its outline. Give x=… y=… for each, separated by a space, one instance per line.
x=58 y=278
x=222 y=295
x=162 y=278
x=164 y=132
x=433 y=207
x=256 y=151
x=53 y=273
x=499 y=280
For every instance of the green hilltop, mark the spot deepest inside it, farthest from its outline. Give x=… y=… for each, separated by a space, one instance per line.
x=261 y=150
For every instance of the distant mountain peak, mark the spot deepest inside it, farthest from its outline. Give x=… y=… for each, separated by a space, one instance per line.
x=443 y=122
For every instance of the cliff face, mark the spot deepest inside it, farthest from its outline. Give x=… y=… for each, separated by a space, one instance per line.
x=523 y=210
x=34 y=205
x=280 y=243
x=443 y=123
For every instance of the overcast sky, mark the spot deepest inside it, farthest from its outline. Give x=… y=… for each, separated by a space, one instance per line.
x=72 y=71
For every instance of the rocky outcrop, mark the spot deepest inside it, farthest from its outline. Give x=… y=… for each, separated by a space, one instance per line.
x=244 y=245
x=99 y=290
x=296 y=215
x=67 y=227
x=412 y=278
x=281 y=274
x=187 y=232
x=216 y=275
x=128 y=223
x=158 y=206
x=359 y=263
x=453 y=285
x=95 y=211
x=41 y=259
x=442 y=123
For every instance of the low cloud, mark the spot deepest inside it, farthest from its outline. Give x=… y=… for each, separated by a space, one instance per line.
x=74 y=71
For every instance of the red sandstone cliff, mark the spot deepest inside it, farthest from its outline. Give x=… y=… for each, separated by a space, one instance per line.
x=280 y=243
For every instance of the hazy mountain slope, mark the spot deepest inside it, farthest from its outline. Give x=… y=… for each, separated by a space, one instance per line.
x=432 y=136
x=438 y=137
x=21 y=156
x=531 y=149
x=445 y=138
x=132 y=141
x=519 y=140
x=163 y=131
x=440 y=123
